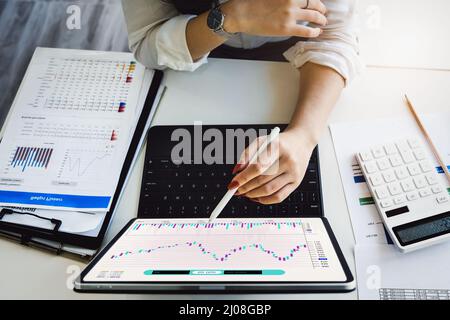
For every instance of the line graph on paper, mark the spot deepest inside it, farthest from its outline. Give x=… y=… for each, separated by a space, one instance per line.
x=85 y=163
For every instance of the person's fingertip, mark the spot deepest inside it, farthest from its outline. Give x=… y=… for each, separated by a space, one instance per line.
x=238 y=168
x=233 y=185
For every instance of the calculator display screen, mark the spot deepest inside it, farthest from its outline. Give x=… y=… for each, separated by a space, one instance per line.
x=423 y=229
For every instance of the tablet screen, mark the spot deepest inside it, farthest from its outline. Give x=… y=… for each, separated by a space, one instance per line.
x=244 y=250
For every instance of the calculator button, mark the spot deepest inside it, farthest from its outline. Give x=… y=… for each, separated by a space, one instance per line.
x=378 y=152
x=401 y=173
x=370 y=167
x=425 y=166
x=425 y=193
x=412 y=196
x=413 y=143
x=419 y=154
x=413 y=169
x=407 y=156
x=365 y=156
x=431 y=179
x=395 y=160
x=394 y=189
x=420 y=182
x=386 y=203
x=436 y=189
x=390 y=149
x=376 y=180
x=381 y=192
x=399 y=199
x=402 y=146
x=383 y=164
x=389 y=176
x=407 y=185
x=442 y=199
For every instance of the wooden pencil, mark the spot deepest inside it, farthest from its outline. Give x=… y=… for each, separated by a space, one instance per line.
x=427 y=137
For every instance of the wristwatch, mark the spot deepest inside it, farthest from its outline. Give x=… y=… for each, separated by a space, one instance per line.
x=216 y=21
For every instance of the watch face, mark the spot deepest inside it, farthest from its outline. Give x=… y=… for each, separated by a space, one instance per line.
x=215 y=19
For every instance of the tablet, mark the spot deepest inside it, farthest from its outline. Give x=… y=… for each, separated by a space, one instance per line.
x=274 y=255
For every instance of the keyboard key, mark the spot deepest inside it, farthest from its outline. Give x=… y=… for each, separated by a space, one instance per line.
x=394 y=188
x=401 y=173
x=425 y=193
x=436 y=189
x=365 y=156
x=370 y=167
x=402 y=146
x=399 y=199
x=407 y=156
x=378 y=152
x=390 y=149
x=419 y=154
x=376 y=179
x=431 y=179
x=386 y=203
x=381 y=192
x=412 y=196
x=442 y=199
x=389 y=176
x=313 y=210
x=413 y=169
x=283 y=210
x=414 y=143
x=420 y=182
x=407 y=185
x=395 y=160
x=383 y=164
x=425 y=166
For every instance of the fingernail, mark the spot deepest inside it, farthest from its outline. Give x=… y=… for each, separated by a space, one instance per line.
x=237 y=168
x=233 y=185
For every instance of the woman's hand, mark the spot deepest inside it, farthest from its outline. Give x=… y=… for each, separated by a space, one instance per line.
x=274 y=17
x=277 y=172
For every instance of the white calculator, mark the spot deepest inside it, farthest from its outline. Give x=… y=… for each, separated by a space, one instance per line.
x=412 y=202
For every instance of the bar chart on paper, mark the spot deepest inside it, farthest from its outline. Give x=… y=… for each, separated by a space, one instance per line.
x=31 y=157
x=283 y=250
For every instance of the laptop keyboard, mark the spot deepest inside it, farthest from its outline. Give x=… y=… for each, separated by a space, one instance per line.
x=193 y=191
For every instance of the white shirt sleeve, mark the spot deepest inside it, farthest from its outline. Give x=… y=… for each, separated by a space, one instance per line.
x=336 y=47
x=157 y=35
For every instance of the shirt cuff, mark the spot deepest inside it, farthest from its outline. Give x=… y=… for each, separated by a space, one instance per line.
x=172 y=48
x=341 y=57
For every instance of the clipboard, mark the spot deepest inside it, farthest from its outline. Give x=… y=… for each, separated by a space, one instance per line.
x=80 y=245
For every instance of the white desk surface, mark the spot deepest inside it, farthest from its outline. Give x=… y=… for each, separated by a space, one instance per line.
x=29 y=273
x=404 y=33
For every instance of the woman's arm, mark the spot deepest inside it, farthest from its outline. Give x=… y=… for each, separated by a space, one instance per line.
x=272 y=180
x=326 y=64
x=256 y=17
x=320 y=88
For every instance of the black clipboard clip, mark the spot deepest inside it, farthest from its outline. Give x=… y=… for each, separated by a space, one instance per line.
x=56 y=222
